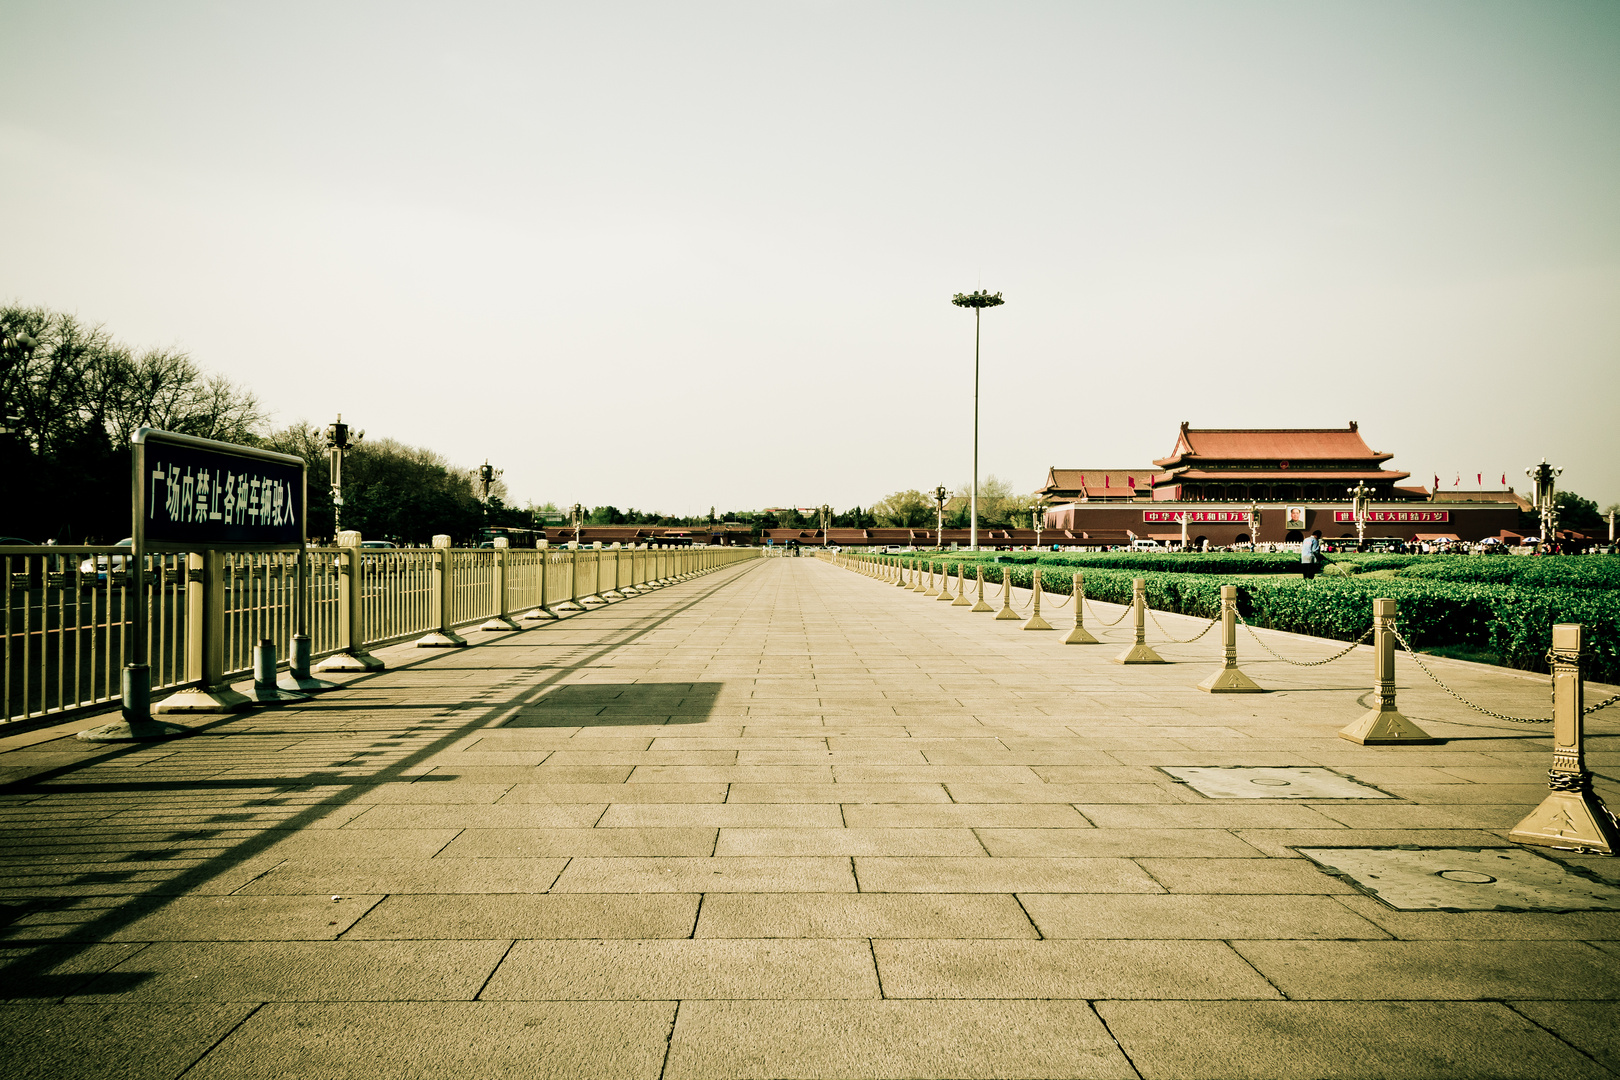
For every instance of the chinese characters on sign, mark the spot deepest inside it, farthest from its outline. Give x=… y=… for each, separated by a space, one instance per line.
x=1395 y=515
x=1175 y=516
x=200 y=495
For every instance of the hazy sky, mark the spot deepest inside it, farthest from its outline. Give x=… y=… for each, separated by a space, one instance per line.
x=673 y=255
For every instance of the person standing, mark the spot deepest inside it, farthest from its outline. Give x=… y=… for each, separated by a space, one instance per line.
x=1310 y=555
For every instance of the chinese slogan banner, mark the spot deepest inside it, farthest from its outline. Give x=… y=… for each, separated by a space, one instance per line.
x=196 y=495
x=1175 y=516
x=1395 y=515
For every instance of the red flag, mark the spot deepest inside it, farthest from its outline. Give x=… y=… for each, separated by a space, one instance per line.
x=1479 y=479
x=1130 y=481
x=1457 y=481
x=1437 y=483
x=1504 y=479
x=1105 y=480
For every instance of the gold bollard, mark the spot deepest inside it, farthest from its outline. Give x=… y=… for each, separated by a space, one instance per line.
x=1228 y=678
x=961 y=587
x=917 y=576
x=1035 y=620
x=1140 y=652
x=945 y=582
x=1080 y=635
x=981 y=605
x=1572 y=816
x=905 y=581
x=1384 y=723
x=1006 y=611
x=931 y=590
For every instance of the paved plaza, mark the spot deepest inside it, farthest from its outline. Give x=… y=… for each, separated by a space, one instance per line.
x=784 y=820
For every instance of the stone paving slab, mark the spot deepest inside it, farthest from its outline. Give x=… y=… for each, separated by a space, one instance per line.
x=787 y=821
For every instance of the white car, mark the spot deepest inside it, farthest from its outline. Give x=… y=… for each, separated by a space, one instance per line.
x=101 y=563
x=1144 y=545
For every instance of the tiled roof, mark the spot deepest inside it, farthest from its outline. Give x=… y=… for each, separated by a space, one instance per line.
x=1276 y=444
x=1108 y=480
x=1254 y=475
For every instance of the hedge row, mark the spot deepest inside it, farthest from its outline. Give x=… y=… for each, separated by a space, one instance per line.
x=1513 y=622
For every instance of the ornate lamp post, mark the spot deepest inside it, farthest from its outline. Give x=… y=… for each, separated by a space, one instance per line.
x=978 y=301
x=338 y=440
x=1254 y=525
x=578 y=515
x=16 y=346
x=826 y=524
x=1038 y=519
x=486 y=480
x=1360 y=508
x=941 y=496
x=1543 y=480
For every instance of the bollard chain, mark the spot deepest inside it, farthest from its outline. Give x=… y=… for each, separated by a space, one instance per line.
x=1477 y=708
x=1604 y=704
x=1301 y=663
x=1177 y=640
x=1104 y=622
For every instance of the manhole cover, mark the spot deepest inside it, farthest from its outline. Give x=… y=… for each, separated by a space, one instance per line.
x=1456 y=879
x=1271 y=783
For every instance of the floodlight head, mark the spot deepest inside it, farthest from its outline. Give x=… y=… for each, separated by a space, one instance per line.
x=979 y=299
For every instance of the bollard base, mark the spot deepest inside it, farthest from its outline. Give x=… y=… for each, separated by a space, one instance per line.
x=500 y=622
x=1385 y=728
x=133 y=731
x=350 y=661
x=962 y=601
x=1037 y=623
x=1230 y=680
x=221 y=699
x=305 y=684
x=946 y=596
x=1080 y=636
x=982 y=606
x=1139 y=654
x=1572 y=821
x=438 y=640
x=1007 y=613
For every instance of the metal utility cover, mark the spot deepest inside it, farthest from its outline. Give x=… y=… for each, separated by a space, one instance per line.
x=1271 y=783
x=1456 y=879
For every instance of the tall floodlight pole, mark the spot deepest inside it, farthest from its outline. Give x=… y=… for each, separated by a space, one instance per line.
x=940 y=497
x=338 y=440
x=978 y=301
x=826 y=524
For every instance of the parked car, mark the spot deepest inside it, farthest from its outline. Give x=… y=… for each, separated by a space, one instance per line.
x=1145 y=545
x=102 y=563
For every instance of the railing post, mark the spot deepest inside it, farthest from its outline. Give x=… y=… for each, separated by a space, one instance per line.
x=617 y=591
x=501 y=620
x=978 y=575
x=1035 y=620
x=351 y=654
x=543 y=550
x=594 y=597
x=443 y=595
x=1229 y=678
x=1384 y=724
x=1572 y=816
x=1080 y=635
x=205 y=642
x=1140 y=652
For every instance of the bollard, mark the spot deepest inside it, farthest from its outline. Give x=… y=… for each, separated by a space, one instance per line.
x=1228 y=678
x=979 y=576
x=205 y=642
x=501 y=620
x=961 y=587
x=1572 y=816
x=442 y=598
x=917 y=577
x=1035 y=620
x=1080 y=635
x=265 y=689
x=932 y=589
x=945 y=582
x=904 y=582
x=1140 y=652
x=351 y=654
x=1006 y=611
x=1384 y=723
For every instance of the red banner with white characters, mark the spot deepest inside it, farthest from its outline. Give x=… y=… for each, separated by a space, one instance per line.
x=1396 y=515
x=1174 y=517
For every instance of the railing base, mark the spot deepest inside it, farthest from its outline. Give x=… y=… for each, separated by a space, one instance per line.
x=500 y=622
x=1383 y=727
x=593 y=601
x=272 y=694
x=539 y=614
x=351 y=661
x=439 y=640
x=613 y=594
x=221 y=699
x=305 y=684
x=138 y=731
x=1230 y=680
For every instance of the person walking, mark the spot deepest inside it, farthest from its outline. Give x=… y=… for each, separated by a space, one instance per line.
x=1310 y=555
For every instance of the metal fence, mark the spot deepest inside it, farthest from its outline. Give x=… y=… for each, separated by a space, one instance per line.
x=67 y=609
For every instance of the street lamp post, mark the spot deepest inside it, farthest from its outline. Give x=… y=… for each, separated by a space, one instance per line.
x=1038 y=519
x=1360 y=509
x=1254 y=525
x=578 y=514
x=16 y=347
x=940 y=497
x=1543 y=480
x=978 y=301
x=338 y=440
x=487 y=475
x=826 y=525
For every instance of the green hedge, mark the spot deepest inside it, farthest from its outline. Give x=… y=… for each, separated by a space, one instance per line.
x=1513 y=621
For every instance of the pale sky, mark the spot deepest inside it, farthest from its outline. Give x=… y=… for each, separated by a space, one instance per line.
x=673 y=255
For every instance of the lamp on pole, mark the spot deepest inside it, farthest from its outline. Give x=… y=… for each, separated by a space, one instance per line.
x=941 y=496
x=1543 y=480
x=1360 y=508
x=978 y=301
x=826 y=524
x=1038 y=519
x=578 y=514
x=339 y=439
x=16 y=347
x=486 y=480
x=1254 y=525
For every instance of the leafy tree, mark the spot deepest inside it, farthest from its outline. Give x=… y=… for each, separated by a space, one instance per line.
x=1579 y=514
x=905 y=509
x=1000 y=506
